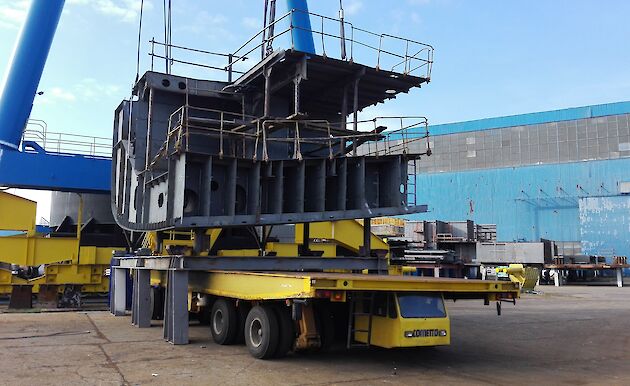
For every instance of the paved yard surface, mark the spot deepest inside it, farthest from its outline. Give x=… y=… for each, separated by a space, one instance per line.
x=567 y=335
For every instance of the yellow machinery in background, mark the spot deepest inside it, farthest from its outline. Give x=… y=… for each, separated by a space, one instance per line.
x=527 y=277
x=62 y=260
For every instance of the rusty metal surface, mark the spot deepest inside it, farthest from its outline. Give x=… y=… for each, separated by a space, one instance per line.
x=47 y=296
x=21 y=297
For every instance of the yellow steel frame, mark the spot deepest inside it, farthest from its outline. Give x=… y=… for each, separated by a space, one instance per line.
x=87 y=271
x=345 y=233
x=36 y=250
x=288 y=285
x=66 y=262
x=18 y=214
x=252 y=286
x=358 y=282
x=324 y=237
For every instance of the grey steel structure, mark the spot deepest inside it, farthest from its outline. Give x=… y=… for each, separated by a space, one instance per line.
x=272 y=147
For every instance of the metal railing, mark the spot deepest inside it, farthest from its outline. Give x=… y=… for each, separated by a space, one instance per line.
x=169 y=59
x=406 y=138
x=327 y=140
x=382 y=51
x=255 y=135
x=63 y=143
x=334 y=38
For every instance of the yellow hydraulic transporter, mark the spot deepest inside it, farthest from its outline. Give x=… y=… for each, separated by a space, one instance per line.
x=218 y=172
x=275 y=312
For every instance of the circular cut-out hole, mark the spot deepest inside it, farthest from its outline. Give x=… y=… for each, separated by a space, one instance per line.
x=214 y=186
x=166 y=82
x=181 y=85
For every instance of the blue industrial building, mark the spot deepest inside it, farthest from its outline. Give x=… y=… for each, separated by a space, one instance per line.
x=562 y=175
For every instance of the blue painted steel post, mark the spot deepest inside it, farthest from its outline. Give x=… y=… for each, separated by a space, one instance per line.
x=301 y=26
x=25 y=69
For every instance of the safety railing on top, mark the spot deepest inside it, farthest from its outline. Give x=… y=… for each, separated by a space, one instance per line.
x=53 y=142
x=192 y=57
x=350 y=43
x=334 y=38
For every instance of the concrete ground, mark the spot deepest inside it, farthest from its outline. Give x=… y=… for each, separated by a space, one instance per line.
x=568 y=335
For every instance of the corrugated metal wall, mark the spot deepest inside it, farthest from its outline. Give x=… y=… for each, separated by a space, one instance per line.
x=535 y=175
x=527 y=202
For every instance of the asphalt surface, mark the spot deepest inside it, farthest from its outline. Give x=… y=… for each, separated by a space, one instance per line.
x=567 y=335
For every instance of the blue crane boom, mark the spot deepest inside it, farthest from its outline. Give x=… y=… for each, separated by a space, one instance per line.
x=31 y=166
x=25 y=69
x=302 y=35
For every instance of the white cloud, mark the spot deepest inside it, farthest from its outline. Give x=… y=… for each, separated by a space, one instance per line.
x=252 y=22
x=61 y=94
x=87 y=89
x=13 y=13
x=212 y=26
x=55 y=95
x=124 y=10
x=353 y=7
x=93 y=90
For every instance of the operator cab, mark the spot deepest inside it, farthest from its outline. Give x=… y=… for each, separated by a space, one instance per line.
x=403 y=319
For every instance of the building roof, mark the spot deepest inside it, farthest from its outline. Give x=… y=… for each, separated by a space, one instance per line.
x=533 y=118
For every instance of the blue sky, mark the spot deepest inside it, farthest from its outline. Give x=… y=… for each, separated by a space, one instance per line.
x=492 y=57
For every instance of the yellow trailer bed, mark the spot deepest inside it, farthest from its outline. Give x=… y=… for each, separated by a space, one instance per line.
x=300 y=285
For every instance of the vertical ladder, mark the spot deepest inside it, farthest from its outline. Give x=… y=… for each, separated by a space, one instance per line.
x=411 y=182
x=359 y=298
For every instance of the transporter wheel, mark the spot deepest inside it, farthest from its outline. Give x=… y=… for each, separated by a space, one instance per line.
x=286 y=331
x=262 y=332
x=223 y=321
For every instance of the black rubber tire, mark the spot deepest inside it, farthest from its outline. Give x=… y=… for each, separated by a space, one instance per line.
x=223 y=321
x=261 y=332
x=286 y=331
x=157 y=302
x=241 y=311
